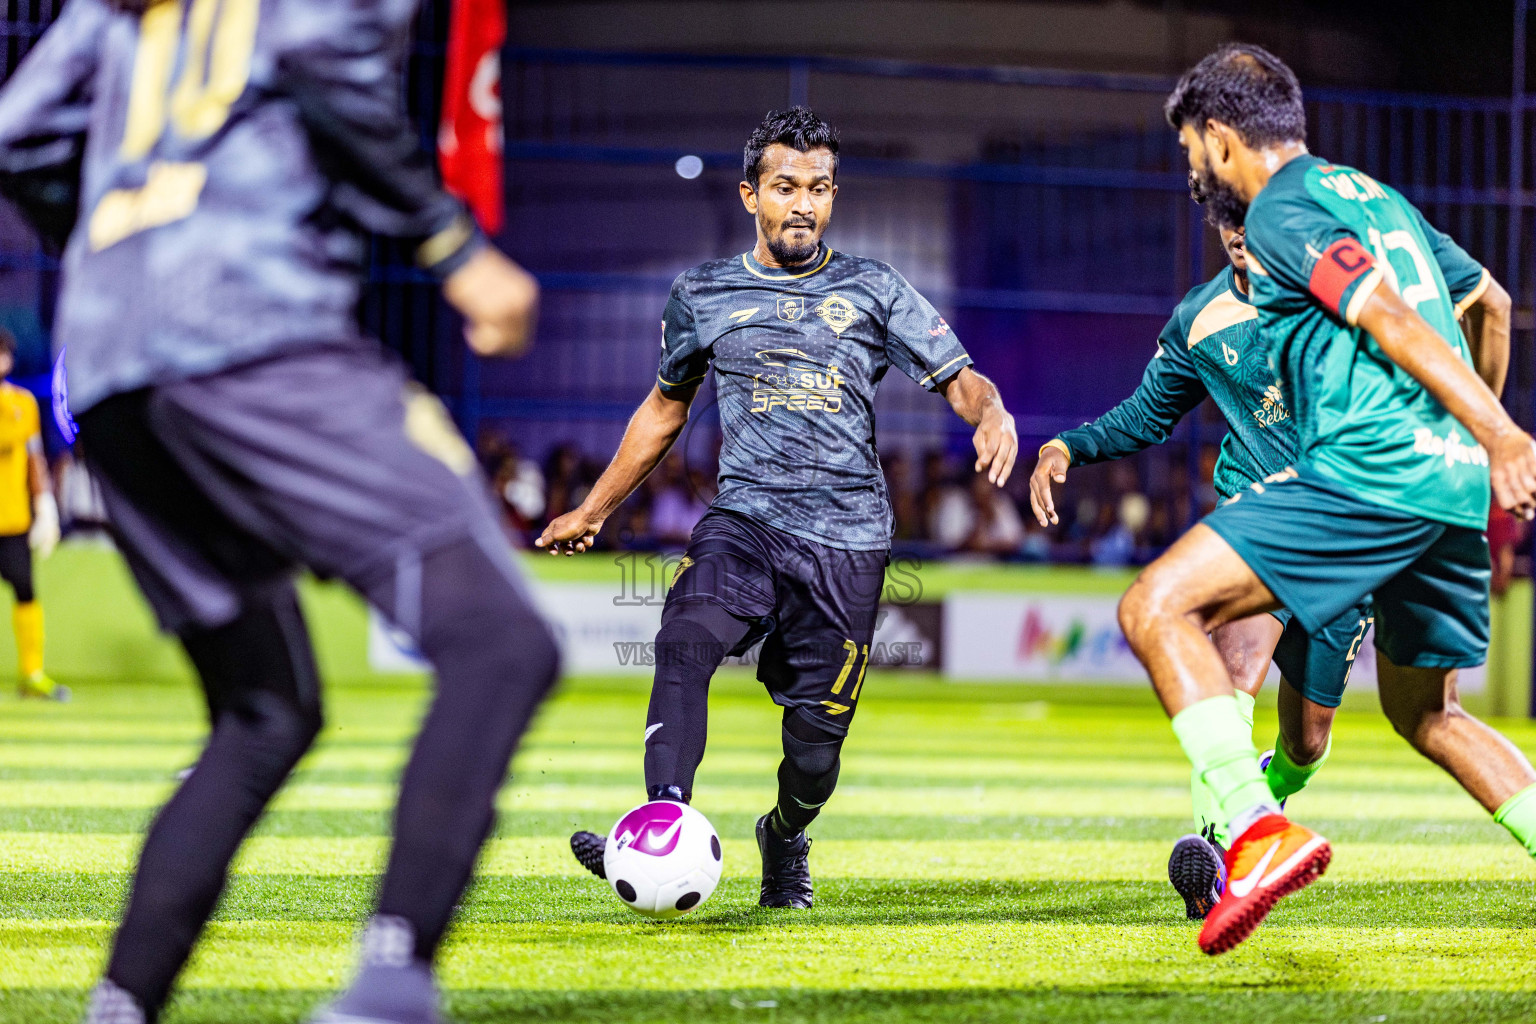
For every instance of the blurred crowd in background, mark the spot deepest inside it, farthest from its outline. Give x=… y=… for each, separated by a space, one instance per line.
x=1109 y=514
x=941 y=507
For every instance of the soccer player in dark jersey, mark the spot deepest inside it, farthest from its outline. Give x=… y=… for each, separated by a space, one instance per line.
x=1211 y=348
x=793 y=549
x=1388 y=499
x=223 y=159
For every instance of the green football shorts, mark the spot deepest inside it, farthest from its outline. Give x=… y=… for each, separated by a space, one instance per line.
x=1318 y=664
x=1322 y=551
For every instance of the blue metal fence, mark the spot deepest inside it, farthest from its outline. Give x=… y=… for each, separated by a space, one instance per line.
x=1044 y=211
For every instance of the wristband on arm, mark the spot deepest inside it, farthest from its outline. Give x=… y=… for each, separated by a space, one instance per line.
x=1059 y=445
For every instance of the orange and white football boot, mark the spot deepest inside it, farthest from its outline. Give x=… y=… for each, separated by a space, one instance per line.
x=1274 y=858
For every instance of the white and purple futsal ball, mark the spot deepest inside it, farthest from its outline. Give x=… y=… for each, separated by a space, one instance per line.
x=663 y=859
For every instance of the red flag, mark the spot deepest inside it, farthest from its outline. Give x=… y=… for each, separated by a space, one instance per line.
x=469 y=141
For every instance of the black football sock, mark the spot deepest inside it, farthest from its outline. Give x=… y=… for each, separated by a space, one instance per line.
x=259 y=676
x=692 y=642
x=494 y=659
x=807 y=775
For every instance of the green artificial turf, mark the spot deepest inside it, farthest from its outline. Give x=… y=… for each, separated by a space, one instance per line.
x=991 y=854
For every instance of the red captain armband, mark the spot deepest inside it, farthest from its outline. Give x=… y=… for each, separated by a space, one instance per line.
x=1341 y=265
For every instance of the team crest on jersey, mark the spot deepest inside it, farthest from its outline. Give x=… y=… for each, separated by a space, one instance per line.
x=791 y=307
x=838 y=313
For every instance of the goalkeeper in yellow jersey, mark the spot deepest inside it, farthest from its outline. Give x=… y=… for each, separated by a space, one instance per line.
x=29 y=519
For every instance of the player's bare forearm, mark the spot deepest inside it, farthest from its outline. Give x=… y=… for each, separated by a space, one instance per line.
x=652 y=431
x=1412 y=344
x=1487 y=322
x=976 y=400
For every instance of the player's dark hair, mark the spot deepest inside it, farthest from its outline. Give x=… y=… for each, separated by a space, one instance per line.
x=7 y=342
x=798 y=128
x=1246 y=88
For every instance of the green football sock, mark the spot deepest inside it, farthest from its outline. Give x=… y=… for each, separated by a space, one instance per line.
x=1206 y=806
x=1519 y=816
x=1287 y=778
x=1219 y=743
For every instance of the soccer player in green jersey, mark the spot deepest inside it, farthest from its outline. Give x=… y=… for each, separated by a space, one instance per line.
x=1399 y=440
x=1211 y=348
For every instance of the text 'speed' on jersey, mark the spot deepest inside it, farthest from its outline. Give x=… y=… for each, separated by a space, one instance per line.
x=1209 y=348
x=225 y=158
x=1321 y=238
x=797 y=356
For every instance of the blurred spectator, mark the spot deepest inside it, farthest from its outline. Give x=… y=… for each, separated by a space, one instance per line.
x=1119 y=546
x=520 y=484
x=1107 y=517
x=678 y=505
x=492 y=448
x=906 y=510
x=564 y=487
x=982 y=520
x=1037 y=546
x=937 y=478
x=1505 y=534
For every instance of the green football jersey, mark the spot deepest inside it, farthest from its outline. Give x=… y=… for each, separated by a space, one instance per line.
x=1209 y=348
x=1321 y=238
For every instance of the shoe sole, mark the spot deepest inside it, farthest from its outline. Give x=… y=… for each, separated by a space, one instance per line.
x=1193 y=871
x=1316 y=857
x=598 y=871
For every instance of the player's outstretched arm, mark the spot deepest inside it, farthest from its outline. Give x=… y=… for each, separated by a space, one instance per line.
x=975 y=399
x=1486 y=323
x=1412 y=344
x=651 y=433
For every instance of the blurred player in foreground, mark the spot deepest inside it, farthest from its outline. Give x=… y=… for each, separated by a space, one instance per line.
x=1211 y=348
x=224 y=158
x=1388 y=499
x=793 y=549
x=29 y=520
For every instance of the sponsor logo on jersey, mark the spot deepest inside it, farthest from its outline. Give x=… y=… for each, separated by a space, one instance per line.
x=1451 y=448
x=791 y=307
x=1273 y=409
x=741 y=316
x=939 y=331
x=837 y=312
x=794 y=381
x=1229 y=354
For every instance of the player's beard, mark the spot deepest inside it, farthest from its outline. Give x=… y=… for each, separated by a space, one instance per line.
x=787 y=253
x=1222 y=203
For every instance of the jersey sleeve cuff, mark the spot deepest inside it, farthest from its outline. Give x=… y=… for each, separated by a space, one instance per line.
x=689 y=382
x=450 y=248
x=945 y=371
x=1362 y=291
x=1476 y=293
x=1059 y=445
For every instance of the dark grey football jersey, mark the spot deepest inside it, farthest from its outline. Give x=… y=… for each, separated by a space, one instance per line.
x=797 y=356
x=222 y=158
